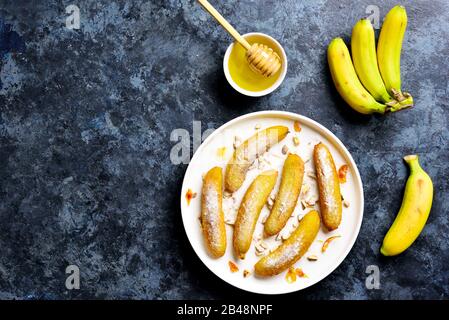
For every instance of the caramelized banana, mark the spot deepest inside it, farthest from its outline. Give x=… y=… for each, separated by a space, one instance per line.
x=245 y=154
x=287 y=197
x=328 y=187
x=212 y=217
x=292 y=249
x=249 y=211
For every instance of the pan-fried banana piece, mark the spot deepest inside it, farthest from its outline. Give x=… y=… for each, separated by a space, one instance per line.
x=328 y=187
x=212 y=217
x=255 y=198
x=287 y=197
x=292 y=249
x=245 y=154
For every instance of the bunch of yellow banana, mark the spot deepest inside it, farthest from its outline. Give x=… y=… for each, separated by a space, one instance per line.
x=373 y=83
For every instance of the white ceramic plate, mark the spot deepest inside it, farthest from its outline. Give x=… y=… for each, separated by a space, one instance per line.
x=208 y=155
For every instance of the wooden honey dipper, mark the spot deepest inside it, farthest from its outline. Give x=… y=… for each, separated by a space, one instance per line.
x=260 y=57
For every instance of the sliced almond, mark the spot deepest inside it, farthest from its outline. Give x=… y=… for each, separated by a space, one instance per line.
x=305 y=188
x=310 y=202
x=259 y=254
x=346 y=203
x=270 y=203
x=311 y=174
x=285 y=236
x=312 y=258
x=264 y=219
x=278 y=237
x=227 y=194
x=259 y=248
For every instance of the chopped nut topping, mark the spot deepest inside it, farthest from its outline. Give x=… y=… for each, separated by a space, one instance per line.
x=278 y=237
x=284 y=149
x=270 y=203
x=246 y=273
x=227 y=194
x=312 y=258
x=311 y=174
x=259 y=247
x=346 y=203
x=285 y=236
x=264 y=219
x=305 y=188
x=310 y=201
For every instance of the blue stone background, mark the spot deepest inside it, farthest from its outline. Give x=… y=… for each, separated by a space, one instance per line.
x=85 y=123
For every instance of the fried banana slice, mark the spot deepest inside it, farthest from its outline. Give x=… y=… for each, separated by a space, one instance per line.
x=212 y=217
x=288 y=194
x=245 y=154
x=292 y=249
x=328 y=187
x=255 y=198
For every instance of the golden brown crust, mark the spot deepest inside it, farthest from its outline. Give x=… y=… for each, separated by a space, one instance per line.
x=255 y=198
x=245 y=154
x=292 y=249
x=287 y=197
x=328 y=187
x=212 y=217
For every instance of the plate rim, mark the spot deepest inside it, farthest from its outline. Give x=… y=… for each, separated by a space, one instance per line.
x=329 y=134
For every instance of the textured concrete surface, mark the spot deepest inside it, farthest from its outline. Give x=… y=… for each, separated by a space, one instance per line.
x=86 y=117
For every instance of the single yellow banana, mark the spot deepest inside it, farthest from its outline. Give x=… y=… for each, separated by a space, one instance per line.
x=363 y=49
x=287 y=197
x=389 y=49
x=414 y=211
x=212 y=217
x=347 y=82
x=252 y=203
x=246 y=153
x=292 y=249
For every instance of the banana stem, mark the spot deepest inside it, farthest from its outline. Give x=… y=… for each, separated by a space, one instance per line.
x=405 y=102
x=413 y=162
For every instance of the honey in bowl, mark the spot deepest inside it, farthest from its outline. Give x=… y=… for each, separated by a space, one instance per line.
x=242 y=74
